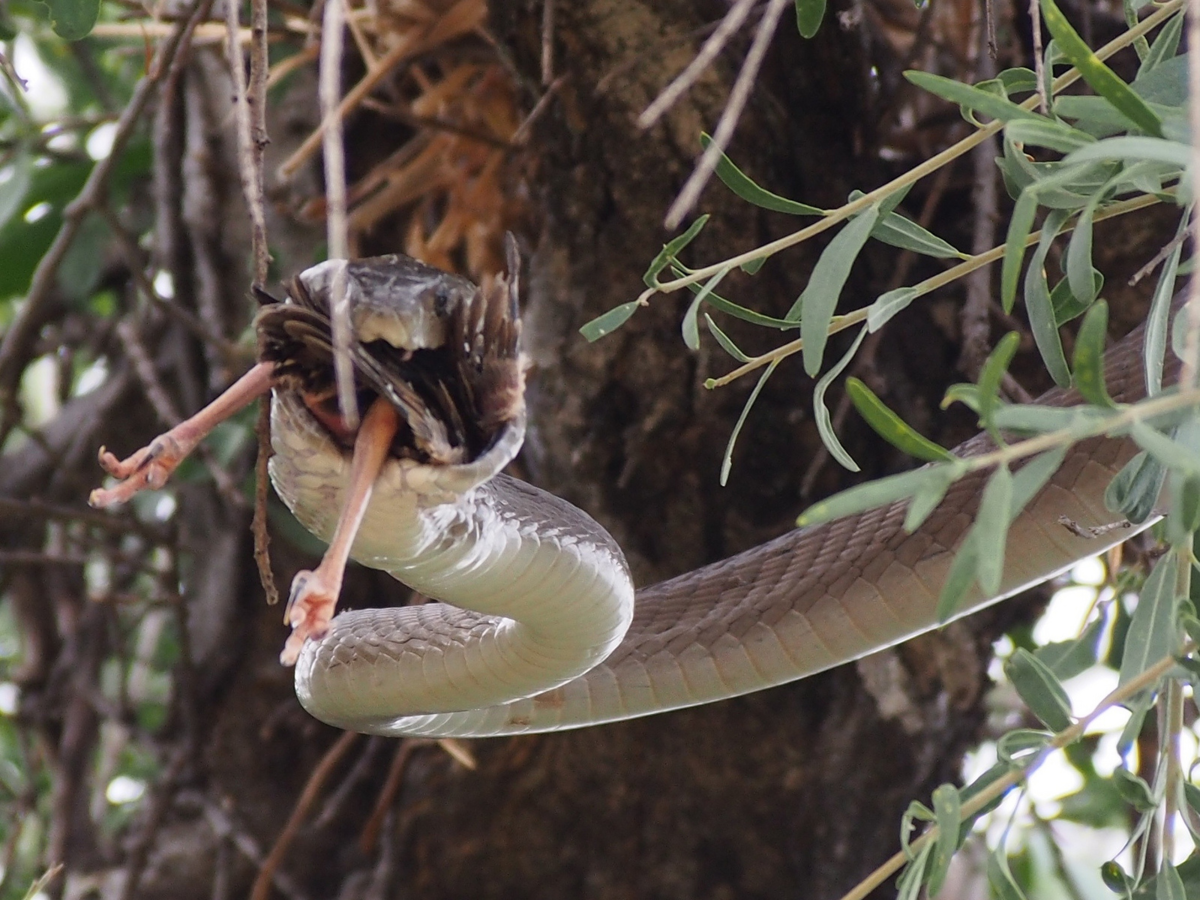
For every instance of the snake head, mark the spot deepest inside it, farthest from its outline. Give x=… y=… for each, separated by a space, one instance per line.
x=443 y=351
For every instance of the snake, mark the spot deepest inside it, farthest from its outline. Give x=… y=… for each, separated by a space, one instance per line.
x=532 y=621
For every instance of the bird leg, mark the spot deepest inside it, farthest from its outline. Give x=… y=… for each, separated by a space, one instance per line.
x=151 y=466
x=314 y=593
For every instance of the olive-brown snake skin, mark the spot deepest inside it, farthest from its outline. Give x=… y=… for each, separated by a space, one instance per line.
x=550 y=633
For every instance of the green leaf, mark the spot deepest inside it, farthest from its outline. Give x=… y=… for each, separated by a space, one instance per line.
x=971 y=97
x=947 y=810
x=727 y=460
x=959 y=579
x=1089 y=356
x=1045 y=133
x=1040 y=689
x=1134 y=492
x=73 y=19
x=1034 y=419
x=1067 y=659
x=1018 y=745
x=821 y=412
x=1169 y=885
x=724 y=340
x=1153 y=631
x=1018 y=80
x=1137 y=718
x=1165 y=46
x=890 y=426
x=1039 y=307
x=809 y=14
x=1171 y=453
x=1081 y=274
x=1134 y=790
x=1135 y=149
x=897 y=231
x=991 y=374
x=1102 y=79
x=1000 y=879
x=816 y=304
x=1066 y=305
x=14 y=189
x=929 y=495
x=1032 y=477
x=888 y=305
x=880 y=492
x=1019 y=226
x=1116 y=879
x=671 y=250
x=609 y=321
x=908 y=886
x=691 y=325
x=742 y=185
x=991 y=529
x=1159 y=318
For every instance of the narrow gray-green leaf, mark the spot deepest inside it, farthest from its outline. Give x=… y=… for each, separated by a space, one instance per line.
x=1159 y=318
x=1134 y=492
x=881 y=492
x=671 y=249
x=742 y=185
x=1032 y=477
x=929 y=495
x=691 y=323
x=725 y=341
x=959 y=579
x=1137 y=718
x=1018 y=745
x=1135 y=149
x=609 y=321
x=908 y=887
x=809 y=14
x=816 y=305
x=1168 y=885
x=1045 y=133
x=1019 y=226
x=1039 y=307
x=888 y=305
x=1169 y=452
x=947 y=810
x=1102 y=79
x=991 y=529
x=821 y=412
x=1079 y=258
x=1089 y=356
x=727 y=460
x=1134 y=790
x=1152 y=632
x=1067 y=659
x=1165 y=46
x=14 y=189
x=1040 y=689
x=991 y=374
x=971 y=97
x=1000 y=879
x=890 y=426
x=897 y=231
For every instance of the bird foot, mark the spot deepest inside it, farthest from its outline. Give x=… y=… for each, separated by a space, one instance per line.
x=309 y=611
x=147 y=469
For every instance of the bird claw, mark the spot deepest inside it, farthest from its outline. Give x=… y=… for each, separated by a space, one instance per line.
x=309 y=611
x=147 y=469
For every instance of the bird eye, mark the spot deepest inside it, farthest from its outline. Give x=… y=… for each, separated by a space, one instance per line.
x=441 y=300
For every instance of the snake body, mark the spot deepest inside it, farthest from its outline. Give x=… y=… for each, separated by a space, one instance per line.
x=539 y=628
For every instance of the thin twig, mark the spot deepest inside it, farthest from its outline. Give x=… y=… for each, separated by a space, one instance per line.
x=21 y=330
x=316 y=781
x=547 y=42
x=1039 y=63
x=716 y=42
x=330 y=91
x=729 y=117
x=387 y=794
